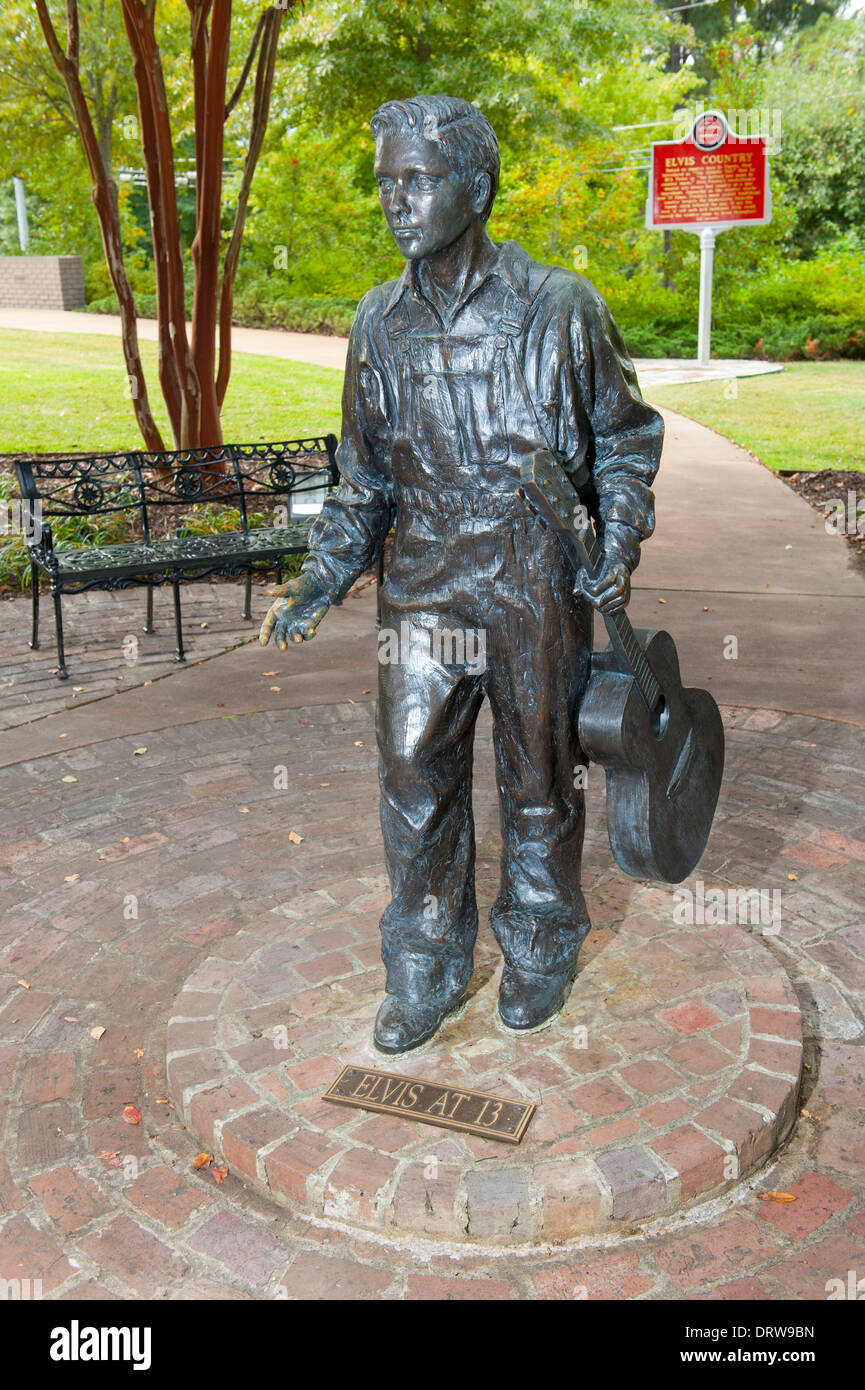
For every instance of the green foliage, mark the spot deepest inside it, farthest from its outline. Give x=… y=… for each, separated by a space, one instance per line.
x=819 y=85
x=789 y=310
x=263 y=303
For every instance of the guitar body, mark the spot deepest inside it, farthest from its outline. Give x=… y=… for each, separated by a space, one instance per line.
x=663 y=769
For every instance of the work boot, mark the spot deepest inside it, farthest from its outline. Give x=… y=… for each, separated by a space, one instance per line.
x=401 y=1025
x=526 y=999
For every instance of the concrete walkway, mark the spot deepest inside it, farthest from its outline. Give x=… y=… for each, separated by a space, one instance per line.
x=325 y=351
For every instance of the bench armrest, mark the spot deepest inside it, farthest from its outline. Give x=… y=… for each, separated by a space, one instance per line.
x=43 y=546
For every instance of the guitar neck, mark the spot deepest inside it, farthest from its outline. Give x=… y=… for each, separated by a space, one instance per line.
x=547 y=488
x=618 y=624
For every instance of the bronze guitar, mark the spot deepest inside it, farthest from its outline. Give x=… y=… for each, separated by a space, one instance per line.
x=662 y=746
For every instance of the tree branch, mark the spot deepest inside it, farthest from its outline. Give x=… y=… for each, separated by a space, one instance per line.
x=238 y=91
x=73 y=35
x=272 y=22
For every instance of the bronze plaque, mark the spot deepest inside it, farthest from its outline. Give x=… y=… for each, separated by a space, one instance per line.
x=451 y=1107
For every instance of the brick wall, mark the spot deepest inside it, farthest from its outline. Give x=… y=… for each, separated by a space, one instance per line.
x=41 y=282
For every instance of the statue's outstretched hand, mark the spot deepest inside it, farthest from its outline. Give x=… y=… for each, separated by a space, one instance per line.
x=300 y=606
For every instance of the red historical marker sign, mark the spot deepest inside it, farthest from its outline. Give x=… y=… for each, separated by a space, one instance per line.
x=704 y=184
x=711 y=179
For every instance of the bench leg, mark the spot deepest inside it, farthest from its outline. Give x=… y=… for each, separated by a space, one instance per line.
x=34 y=582
x=181 y=656
x=148 y=618
x=247 y=608
x=62 y=673
x=279 y=571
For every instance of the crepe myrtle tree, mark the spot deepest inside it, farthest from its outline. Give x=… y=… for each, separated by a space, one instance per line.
x=193 y=376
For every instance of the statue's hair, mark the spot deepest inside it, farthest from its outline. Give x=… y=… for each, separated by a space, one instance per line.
x=467 y=139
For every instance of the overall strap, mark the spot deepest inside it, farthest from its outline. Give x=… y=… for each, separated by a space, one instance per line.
x=512 y=323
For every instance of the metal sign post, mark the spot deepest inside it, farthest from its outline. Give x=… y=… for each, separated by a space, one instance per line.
x=707 y=269
x=21 y=210
x=704 y=184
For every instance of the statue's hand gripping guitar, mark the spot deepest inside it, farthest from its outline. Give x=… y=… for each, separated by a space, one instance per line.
x=662 y=746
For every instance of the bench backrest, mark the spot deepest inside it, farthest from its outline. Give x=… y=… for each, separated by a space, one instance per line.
x=238 y=475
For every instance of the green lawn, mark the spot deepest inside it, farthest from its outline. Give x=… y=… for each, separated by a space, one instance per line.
x=67 y=392
x=810 y=416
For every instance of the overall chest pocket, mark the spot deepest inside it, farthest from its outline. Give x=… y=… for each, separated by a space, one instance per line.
x=457 y=410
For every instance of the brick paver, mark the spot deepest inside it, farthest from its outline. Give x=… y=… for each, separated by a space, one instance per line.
x=97 y=1207
x=244 y=1081
x=99 y=657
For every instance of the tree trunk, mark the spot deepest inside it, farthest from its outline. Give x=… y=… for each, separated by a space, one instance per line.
x=104 y=195
x=169 y=379
x=139 y=16
x=205 y=247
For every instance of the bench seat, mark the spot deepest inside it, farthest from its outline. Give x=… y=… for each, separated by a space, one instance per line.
x=179 y=552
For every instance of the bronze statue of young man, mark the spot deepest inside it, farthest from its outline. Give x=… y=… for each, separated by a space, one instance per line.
x=474 y=357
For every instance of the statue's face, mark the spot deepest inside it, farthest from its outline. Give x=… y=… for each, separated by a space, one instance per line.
x=427 y=204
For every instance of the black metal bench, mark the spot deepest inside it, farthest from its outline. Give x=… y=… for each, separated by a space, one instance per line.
x=286 y=481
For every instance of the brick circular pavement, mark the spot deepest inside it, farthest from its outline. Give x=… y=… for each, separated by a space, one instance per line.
x=196 y=830
x=671 y=1075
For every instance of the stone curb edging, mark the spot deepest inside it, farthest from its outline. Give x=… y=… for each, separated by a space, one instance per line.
x=272 y=1130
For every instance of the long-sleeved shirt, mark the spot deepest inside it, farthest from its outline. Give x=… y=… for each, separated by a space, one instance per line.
x=530 y=358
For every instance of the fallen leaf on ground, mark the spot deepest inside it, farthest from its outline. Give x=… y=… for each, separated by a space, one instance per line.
x=202 y=1161
x=112 y=1158
x=276 y=687
x=62 y=735
x=219 y=1174
x=358 y=743
x=295 y=838
x=131 y=1115
x=244 y=810
x=70 y=1019
x=162 y=1100
x=71 y=878
x=97 y=1033
x=662 y=600
x=136 y=752
x=24 y=984
x=270 y=673
x=69 y=779
x=366 y=692
x=204 y=624
x=139 y=1051
x=776 y=1197
x=794 y=878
